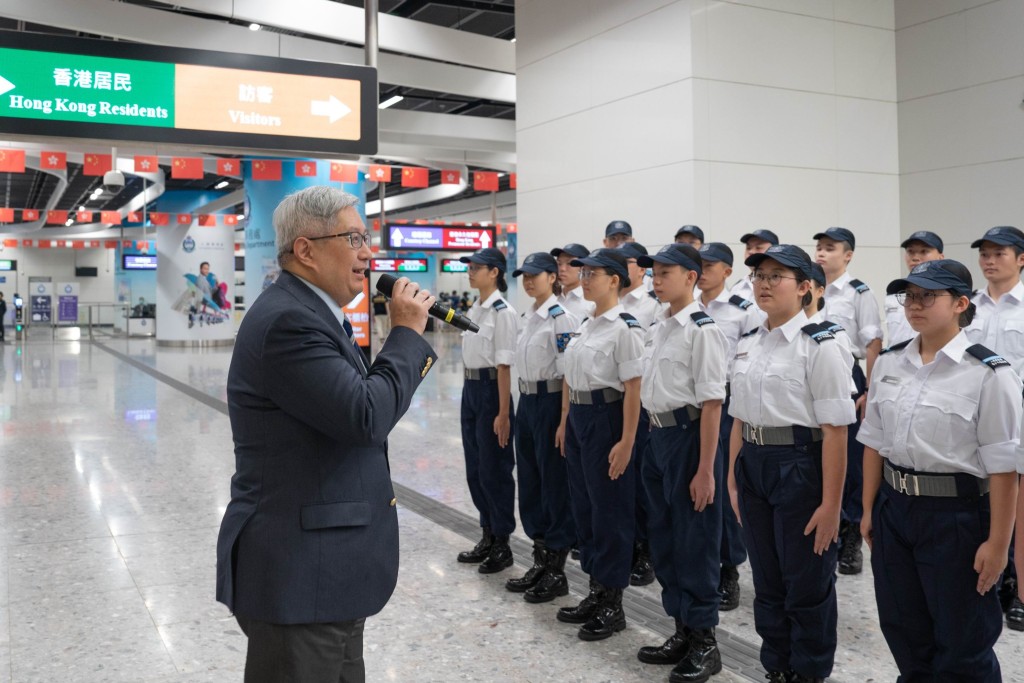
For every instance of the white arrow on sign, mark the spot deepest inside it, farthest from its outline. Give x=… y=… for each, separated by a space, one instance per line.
x=332 y=108
x=6 y=85
x=396 y=238
x=485 y=239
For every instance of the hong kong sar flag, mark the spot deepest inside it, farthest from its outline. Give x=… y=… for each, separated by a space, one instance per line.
x=53 y=161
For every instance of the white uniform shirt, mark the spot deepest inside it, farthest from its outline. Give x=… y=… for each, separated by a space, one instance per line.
x=574 y=303
x=782 y=377
x=641 y=305
x=495 y=343
x=734 y=318
x=999 y=325
x=955 y=414
x=684 y=361
x=543 y=335
x=605 y=352
x=843 y=338
x=855 y=310
x=897 y=327
x=744 y=289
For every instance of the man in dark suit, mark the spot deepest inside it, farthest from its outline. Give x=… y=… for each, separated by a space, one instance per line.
x=308 y=546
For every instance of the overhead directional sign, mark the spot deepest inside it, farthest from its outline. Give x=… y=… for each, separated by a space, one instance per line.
x=398 y=265
x=437 y=237
x=106 y=89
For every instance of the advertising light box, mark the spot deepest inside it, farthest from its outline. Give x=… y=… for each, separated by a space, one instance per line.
x=453 y=265
x=398 y=265
x=399 y=236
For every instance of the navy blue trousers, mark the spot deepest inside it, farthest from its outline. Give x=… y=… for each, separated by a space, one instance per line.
x=643 y=434
x=543 y=477
x=684 y=543
x=853 y=487
x=795 y=612
x=937 y=626
x=604 y=510
x=733 y=552
x=488 y=465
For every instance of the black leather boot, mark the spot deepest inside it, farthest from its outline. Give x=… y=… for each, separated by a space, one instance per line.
x=582 y=612
x=533 y=574
x=794 y=677
x=575 y=552
x=1015 y=616
x=552 y=583
x=729 y=588
x=608 y=619
x=1007 y=592
x=702 y=662
x=672 y=651
x=480 y=551
x=851 y=559
x=642 y=573
x=777 y=677
x=499 y=558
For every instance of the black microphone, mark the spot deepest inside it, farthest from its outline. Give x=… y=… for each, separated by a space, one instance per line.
x=386 y=285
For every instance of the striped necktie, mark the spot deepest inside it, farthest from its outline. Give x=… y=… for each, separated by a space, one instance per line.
x=352 y=339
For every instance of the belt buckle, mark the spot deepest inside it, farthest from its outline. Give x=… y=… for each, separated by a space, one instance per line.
x=902 y=481
x=757 y=435
x=655 y=420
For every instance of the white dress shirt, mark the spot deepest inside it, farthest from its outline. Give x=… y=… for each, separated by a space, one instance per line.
x=955 y=414
x=642 y=306
x=856 y=311
x=495 y=343
x=544 y=332
x=573 y=302
x=897 y=327
x=999 y=325
x=839 y=332
x=684 y=362
x=605 y=352
x=733 y=318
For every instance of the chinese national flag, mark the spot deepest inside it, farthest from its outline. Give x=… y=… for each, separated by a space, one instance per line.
x=187 y=168
x=158 y=218
x=29 y=215
x=6 y=215
x=207 y=220
x=146 y=164
x=231 y=219
x=229 y=167
x=110 y=244
x=305 y=169
x=415 y=177
x=78 y=244
x=380 y=173
x=344 y=173
x=184 y=219
x=512 y=181
x=84 y=216
x=266 y=169
x=56 y=217
x=53 y=161
x=485 y=181
x=43 y=244
x=133 y=217
x=110 y=217
x=10 y=243
x=96 y=164
x=12 y=160
x=451 y=177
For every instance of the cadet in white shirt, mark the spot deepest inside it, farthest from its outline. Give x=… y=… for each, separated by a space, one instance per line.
x=791 y=404
x=920 y=247
x=940 y=483
x=600 y=409
x=755 y=242
x=487 y=414
x=571 y=296
x=734 y=316
x=815 y=313
x=544 y=332
x=682 y=390
x=690 y=234
x=638 y=301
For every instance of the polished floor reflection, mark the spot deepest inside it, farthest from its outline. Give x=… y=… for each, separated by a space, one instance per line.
x=115 y=461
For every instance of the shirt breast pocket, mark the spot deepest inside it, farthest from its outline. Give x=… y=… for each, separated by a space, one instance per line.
x=842 y=311
x=782 y=379
x=947 y=418
x=1013 y=339
x=598 y=353
x=886 y=396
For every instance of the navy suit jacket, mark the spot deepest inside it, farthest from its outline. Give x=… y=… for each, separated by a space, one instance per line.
x=311 y=532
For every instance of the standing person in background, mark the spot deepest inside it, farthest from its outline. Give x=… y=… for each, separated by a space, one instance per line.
x=600 y=409
x=690 y=234
x=940 y=483
x=571 y=296
x=544 y=332
x=791 y=404
x=849 y=303
x=920 y=247
x=3 y=316
x=380 y=317
x=756 y=242
x=487 y=414
x=636 y=299
x=617 y=233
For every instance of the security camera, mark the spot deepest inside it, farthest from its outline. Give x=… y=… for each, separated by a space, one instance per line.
x=113 y=181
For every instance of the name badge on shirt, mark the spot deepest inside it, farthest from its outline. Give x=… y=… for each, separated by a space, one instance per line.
x=889 y=379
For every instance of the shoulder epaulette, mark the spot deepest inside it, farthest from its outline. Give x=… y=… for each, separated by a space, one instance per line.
x=833 y=327
x=555 y=311
x=749 y=333
x=818 y=333
x=630 y=320
x=739 y=301
x=989 y=358
x=859 y=286
x=896 y=347
x=702 y=318
x=651 y=294
x=499 y=305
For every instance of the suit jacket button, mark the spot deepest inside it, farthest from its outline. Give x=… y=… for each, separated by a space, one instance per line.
x=394 y=501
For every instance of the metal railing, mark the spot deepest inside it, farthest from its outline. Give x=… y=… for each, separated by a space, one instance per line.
x=105 y=320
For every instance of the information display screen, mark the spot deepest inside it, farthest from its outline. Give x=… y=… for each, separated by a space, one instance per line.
x=437 y=237
x=8 y=265
x=453 y=265
x=398 y=265
x=139 y=262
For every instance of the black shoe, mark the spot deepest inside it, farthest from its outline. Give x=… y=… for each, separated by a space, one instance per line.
x=608 y=619
x=1015 y=616
x=499 y=558
x=851 y=559
x=642 y=573
x=552 y=583
x=581 y=613
x=794 y=677
x=671 y=651
x=533 y=574
x=480 y=551
x=703 y=660
x=574 y=552
x=729 y=588
x=777 y=677
x=1007 y=592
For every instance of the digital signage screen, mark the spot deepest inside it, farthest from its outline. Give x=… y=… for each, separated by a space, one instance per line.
x=139 y=262
x=453 y=265
x=400 y=236
x=398 y=265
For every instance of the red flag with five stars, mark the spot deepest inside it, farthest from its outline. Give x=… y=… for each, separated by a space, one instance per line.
x=187 y=168
x=12 y=160
x=207 y=220
x=96 y=164
x=344 y=173
x=53 y=161
x=56 y=217
x=6 y=215
x=415 y=177
x=110 y=217
x=451 y=177
x=485 y=181
x=110 y=244
x=78 y=244
x=266 y=169
x=160 y=218
x=229 y=166
x=380 y=173
x=305 y=169
x=146 y=163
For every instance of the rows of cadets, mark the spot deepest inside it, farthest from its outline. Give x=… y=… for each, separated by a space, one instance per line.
x=659 y=408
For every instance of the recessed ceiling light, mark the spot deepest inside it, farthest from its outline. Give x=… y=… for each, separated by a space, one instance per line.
x=221 y=185
x=391 y=101
x=512 y=41
x=254 y=26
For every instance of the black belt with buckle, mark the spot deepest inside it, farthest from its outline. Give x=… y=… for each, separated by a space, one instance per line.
x=781 y=436
x=673 y=418
x=911 y=483
x=544 y=386
x=481 y=373
x=588 y=398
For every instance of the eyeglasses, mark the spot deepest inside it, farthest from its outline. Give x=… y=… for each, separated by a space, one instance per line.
x=772 y=279
x=355 y=238
x=926 y=299
x=587 y=273
x=473 y=267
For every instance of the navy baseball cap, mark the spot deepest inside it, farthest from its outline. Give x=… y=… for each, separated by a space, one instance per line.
x=572 y=249
x=716 y=251
x=1005 y=235
x=633 y=249
x=604 y=258
x=536 y=263
x=941 y=274
x=766 y=235
x=691 y=230
x=674 y=255
x=788 y=255
x=818 y=274
x=839 y=235
x=618 y=228
x=490 y=257
x=928 y=237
